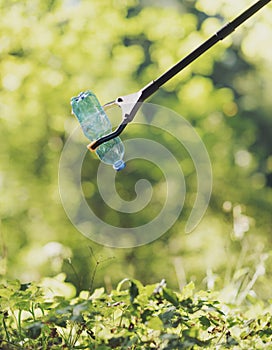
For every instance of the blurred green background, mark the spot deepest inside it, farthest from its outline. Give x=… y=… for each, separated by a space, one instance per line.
x=50 y=51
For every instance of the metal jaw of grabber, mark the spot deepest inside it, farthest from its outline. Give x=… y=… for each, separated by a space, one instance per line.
x=130 y=104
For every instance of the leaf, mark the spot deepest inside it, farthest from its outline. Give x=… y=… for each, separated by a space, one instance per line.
x=170 y=296
x=5 y=292
x=79 y=308
x=172 y=318
x=14 y=285
x=187 y=291
x=205 y=321
x=133 y=291
x=77 y=318
x=155 y=323
x=97 y=293
x=121 y=283
x=34 y=330
x=230 y=340
x=25 y=286
x=116 y=341
x=146 y=313
x=61 y=322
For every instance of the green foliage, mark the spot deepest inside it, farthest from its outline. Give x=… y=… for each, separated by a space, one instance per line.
x=131 y=317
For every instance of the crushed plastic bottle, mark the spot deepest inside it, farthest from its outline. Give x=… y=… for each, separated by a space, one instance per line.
x=95 y=124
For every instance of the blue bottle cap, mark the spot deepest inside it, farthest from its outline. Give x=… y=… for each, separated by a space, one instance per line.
x=119 y=165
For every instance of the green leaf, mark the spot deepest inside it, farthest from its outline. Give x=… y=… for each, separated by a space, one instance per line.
x=121 y=283
x=133 y=291
x=170 y=296
x=25 y=286
x=116 y=342
x=97 y=293
x=34 y=330
x=188 y=290
x=155 y=323
x=205 y=321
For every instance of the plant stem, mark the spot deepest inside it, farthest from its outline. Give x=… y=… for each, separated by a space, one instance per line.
x=6 y=330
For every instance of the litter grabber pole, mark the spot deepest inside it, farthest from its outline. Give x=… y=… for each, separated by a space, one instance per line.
x=130 y=104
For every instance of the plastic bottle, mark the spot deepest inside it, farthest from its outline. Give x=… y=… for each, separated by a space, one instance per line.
x=95 y=124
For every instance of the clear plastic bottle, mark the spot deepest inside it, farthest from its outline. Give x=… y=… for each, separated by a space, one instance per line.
x=95 y=124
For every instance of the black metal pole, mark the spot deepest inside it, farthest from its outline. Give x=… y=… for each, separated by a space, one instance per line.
x=220 y=35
